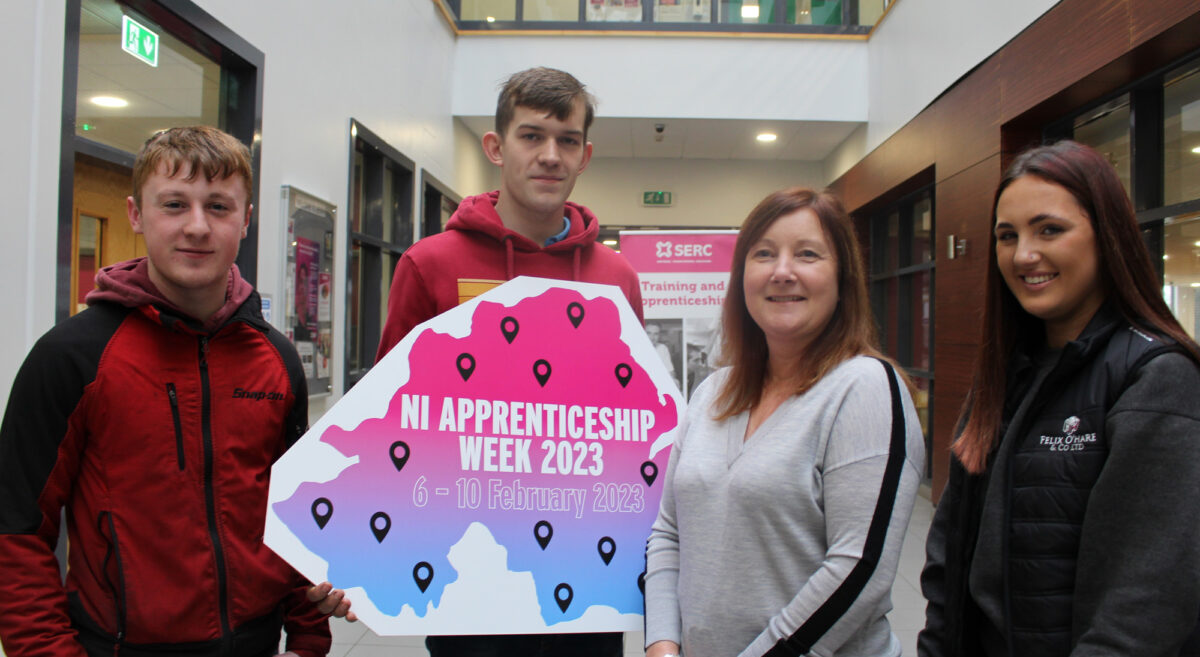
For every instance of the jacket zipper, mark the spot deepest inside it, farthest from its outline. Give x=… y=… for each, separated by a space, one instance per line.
x=118 y=588
x=178 y=424
x=210 y=498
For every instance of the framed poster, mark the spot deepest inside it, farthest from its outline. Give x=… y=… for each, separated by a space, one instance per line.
x=308 y=282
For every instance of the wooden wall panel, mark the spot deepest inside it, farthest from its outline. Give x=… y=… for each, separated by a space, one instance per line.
x=1069 y=42
x=1151 y=19
x=968 y=118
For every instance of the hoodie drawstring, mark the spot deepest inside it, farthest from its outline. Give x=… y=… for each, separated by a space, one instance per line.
x=510 y=271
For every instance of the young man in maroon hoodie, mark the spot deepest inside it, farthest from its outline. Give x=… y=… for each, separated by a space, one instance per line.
x=527 y=227
x=152 y=418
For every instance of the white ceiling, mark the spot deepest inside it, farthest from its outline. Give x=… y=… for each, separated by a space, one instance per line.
x=717 y=139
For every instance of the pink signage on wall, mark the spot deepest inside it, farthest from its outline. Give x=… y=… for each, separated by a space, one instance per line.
x=683 y=278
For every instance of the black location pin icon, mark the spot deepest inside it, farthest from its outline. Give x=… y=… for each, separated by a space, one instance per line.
x=466 y=365
x=399 y=454
x=607 y=548
x=649 y=472
x=322 y=510
x=624 y=373
x=509 y=327
x=575 y=313
x=380 y=524
x=563 y=595
x=543 y=532
x=541 y=371
x=422 y=580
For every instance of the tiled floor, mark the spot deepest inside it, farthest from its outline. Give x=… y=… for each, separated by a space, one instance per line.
x=907 y=618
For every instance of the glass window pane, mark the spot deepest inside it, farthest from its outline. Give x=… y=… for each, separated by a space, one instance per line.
x=869 y=11
x=357 y=199
x=921 y=320
x=1106 y=129
x=487 y=10
x=121 y=101
x=682 y=11
x=1181 y=269
x=614 y=11
x=551 y=10
x=88 y=258
x=354 y=323
x=922 y=230
x=1181 y=136
x=890 y=249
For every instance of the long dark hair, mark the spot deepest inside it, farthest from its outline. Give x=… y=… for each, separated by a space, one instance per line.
x=1126 y=276
x=850 y=331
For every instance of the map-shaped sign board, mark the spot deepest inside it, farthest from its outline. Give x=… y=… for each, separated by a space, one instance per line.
x=496 y=473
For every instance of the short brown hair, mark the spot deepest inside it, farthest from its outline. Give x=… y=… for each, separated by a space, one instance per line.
x=850 y=331
x=550 y=90
x=202 y=148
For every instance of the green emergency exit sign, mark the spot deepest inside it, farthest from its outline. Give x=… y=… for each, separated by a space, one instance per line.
x=139 y=41
x=656 y=198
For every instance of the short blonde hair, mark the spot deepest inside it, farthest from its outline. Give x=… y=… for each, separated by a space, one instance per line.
x=202 y=148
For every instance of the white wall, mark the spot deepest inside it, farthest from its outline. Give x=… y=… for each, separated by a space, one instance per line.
x=31 y=111
x=474 y=174
x=924 y=46
x=778 y=79
x=718 y=193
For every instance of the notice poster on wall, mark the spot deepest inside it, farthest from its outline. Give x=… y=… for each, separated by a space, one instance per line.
x=497 y=472
x=683 y=276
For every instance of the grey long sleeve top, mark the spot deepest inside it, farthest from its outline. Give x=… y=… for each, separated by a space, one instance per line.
x=754 y=537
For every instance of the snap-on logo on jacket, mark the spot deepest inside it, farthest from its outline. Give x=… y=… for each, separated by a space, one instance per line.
x=1070 y=441
x=257 y=395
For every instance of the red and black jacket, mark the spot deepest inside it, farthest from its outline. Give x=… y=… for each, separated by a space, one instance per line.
x=157 y=438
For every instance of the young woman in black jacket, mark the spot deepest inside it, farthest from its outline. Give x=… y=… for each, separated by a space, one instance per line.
x=1069 y=523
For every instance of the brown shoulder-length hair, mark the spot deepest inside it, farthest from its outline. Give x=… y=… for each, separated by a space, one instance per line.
x=1126 y=276
x=850 y=331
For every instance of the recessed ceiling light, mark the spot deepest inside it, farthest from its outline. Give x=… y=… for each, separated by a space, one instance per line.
x=491 y=19
x=1196 y=243
x=109 y=101
x=1195 y=285
x=749 y=11
x=610 y=242
x=1196 y=150
x=1166 y=257
x=767 y=137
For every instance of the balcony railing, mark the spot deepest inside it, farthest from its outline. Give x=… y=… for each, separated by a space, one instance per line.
x=801 y=17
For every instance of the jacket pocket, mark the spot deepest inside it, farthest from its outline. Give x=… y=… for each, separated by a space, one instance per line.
x=113 y=555
x=174 y=398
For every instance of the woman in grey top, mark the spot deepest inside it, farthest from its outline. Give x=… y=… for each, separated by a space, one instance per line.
x=789 y=489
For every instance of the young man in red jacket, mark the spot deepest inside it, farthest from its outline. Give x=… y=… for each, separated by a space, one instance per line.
x=153 y=418
x=527 y=227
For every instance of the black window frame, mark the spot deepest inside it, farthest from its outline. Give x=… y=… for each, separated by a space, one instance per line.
x=374 y=282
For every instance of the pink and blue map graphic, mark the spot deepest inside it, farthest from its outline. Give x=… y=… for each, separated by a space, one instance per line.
x=539 y=424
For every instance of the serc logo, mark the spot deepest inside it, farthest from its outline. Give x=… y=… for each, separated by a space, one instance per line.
x=662 y=249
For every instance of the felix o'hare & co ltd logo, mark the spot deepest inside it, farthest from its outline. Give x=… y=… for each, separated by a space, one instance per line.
x=1071 y=441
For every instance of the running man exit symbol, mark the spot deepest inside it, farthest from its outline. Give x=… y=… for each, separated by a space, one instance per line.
x=139 y=41
x=656 y=198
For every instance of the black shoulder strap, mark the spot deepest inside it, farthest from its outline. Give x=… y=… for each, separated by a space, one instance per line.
x=836 y=606
x=296 y=422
